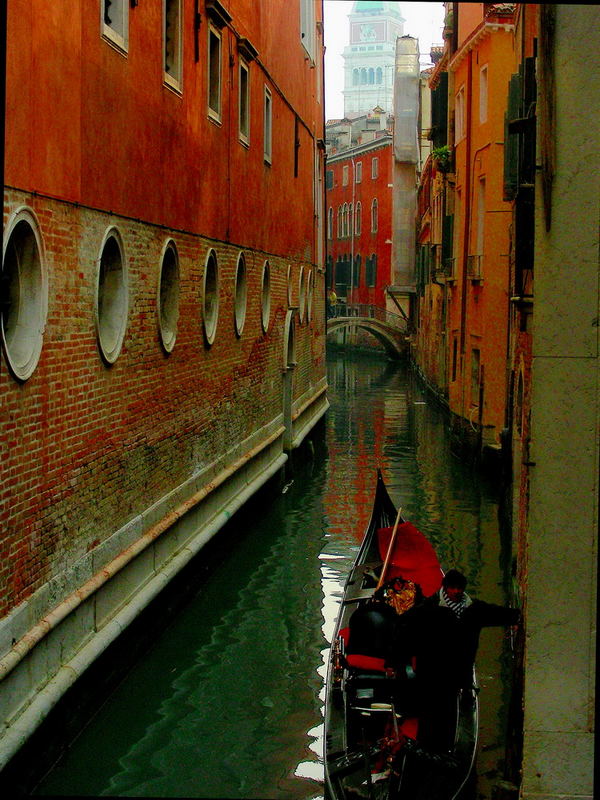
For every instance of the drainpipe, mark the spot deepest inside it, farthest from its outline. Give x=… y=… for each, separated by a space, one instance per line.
x=467 y=223
x=352 y=229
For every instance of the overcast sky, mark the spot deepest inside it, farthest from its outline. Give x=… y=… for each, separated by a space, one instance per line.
x=424 y=21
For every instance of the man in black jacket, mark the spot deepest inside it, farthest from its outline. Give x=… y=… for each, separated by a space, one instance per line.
x=444 y=632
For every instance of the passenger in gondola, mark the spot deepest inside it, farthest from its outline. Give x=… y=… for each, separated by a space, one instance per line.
x=444 y=633
x=373 y=635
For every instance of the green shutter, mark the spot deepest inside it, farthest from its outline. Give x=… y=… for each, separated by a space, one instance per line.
x=511 y=140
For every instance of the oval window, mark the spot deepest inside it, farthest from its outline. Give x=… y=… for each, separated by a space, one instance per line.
x=311 y=291
x=266 y=296
x=302 y=294
x=168 y=297
x=111 y=297
x=25 y=303
x=289 y=285
x=241 y=294
x=211 y=296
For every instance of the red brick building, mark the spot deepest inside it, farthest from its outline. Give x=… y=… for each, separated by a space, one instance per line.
x=359 y=221
x=162 y=332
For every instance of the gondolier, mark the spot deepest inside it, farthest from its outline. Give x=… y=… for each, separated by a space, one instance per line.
x=451 y=617
x=374 y=721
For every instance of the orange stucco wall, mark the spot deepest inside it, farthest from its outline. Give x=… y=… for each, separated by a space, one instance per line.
x=478 y=311
x=104 y=149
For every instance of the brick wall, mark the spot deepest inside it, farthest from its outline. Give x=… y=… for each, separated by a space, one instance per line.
x=88 y=447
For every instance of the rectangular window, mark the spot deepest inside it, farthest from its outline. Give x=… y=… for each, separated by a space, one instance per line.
x=329 y=179
x=345 y=175
x=244 y=111
x=358 y=172
x=268 y=126
x=371 y=271
x=480 y=217
x=358 y=219
x=308 y=27
x=172 y=42
x=214 y=73
x=454 y=357
x=375 y=168
x=475 y=360
x=374 y=216
x=459 y=115
x=296 y=145
x=114 y=21
x=483 y=94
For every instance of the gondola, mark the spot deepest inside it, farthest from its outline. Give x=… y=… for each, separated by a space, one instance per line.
x=374 y=717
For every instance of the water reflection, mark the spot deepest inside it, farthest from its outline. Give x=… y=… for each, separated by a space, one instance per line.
x=229 y=703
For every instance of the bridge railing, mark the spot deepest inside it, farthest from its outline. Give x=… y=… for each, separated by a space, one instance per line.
x=370 y=311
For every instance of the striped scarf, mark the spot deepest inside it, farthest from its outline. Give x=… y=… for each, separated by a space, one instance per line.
x=459 y=607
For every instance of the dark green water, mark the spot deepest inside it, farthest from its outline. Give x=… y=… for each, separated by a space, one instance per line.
x=228 y=702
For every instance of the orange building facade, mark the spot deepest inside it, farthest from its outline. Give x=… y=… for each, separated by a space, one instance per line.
x=163 y=333
x=463 y=307
x=507 y=296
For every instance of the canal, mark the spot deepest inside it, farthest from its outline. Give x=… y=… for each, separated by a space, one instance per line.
x=228 y=701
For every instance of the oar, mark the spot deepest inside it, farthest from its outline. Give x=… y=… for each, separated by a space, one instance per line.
x=390 y=548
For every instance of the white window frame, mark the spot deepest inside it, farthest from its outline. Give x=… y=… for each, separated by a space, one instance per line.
x=459 y=114
x=23 y=321
x=244 y=101
x=483 y=93
x=173 y=73
x=374 y=216
x=302 y=295
x=375 y=167
x=167 y=305
x=240 y=295
x=214 y=75
x=111 y=297
x=358 y=219
x=210 y=296
x=268 y=126
x=345 y=175
x=480 y=216
x=358 y=175
x=117 y=31
x=265 y=299
x=308 y=27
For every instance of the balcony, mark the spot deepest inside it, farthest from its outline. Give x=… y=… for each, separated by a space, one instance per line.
x=474 y=264
x=450 y=269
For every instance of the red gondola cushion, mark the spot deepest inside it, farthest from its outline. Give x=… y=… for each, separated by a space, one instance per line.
x=370 y=663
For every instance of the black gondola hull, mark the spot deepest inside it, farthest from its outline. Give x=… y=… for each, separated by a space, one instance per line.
x=373 y=744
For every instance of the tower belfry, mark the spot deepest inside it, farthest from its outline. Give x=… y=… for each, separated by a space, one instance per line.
x=369 y=58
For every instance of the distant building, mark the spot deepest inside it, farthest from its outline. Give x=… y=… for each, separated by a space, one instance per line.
x=343 y=133
x=359 y=222
x=406 y=161
x=162 y=306
x=369 y=59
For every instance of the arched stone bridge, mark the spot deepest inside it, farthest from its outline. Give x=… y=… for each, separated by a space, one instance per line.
x=390 y=329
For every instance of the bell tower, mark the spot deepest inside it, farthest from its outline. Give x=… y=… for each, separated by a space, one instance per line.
x=370 y=57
